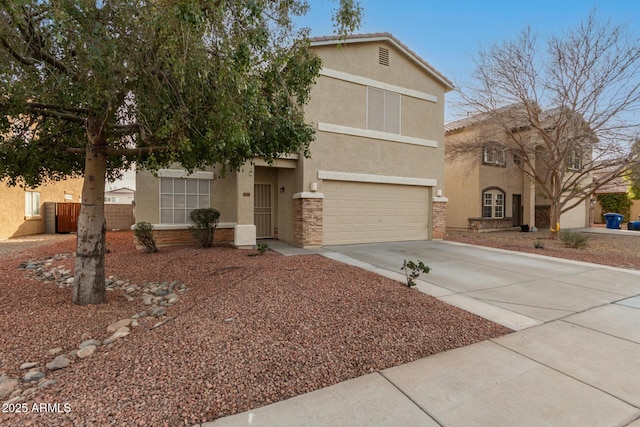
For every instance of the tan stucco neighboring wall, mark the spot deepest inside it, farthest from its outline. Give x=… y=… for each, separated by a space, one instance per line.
x=12 y=215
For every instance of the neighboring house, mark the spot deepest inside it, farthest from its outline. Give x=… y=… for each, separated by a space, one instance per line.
x=617 y=186
x=376 y=172
x=121 y=196
x=488 y=189
x=23 y=211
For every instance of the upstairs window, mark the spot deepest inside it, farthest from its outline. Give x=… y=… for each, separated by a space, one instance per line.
x=180 y=196
x=383 y=110
x=493 y=203
x=492 y=156
x=574 y=160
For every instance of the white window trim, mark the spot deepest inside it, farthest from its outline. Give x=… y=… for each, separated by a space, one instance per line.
x=29 y=204
x=364 y=81
x=574 y=162
x=181 y=173
x=494 y=199
x=374 y=134
x=378 y=179
x=186 y=176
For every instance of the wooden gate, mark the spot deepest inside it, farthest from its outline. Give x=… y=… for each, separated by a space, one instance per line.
x=262 y=211
x=67 y=217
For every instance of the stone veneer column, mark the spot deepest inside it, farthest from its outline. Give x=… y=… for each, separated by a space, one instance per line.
x=307 y=219
x=439 y=217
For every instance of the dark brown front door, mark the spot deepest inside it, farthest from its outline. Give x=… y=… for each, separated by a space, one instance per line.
x=516 y=214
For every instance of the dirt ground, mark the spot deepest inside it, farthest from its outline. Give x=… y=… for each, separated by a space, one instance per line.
x=616 y=250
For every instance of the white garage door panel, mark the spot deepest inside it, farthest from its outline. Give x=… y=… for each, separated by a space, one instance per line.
x=357 y=212
x=575 y=218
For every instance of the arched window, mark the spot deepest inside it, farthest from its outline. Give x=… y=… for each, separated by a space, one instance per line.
x=574 y=159
x=493 y=203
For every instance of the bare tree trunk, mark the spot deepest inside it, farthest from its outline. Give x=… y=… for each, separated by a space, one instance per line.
x=89 y=286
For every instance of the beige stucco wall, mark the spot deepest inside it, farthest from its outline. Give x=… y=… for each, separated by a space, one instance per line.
x=12 y=219
x=340 y=102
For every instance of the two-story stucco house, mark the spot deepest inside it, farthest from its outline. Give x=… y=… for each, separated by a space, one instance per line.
x=376 y=170
x=487 y=188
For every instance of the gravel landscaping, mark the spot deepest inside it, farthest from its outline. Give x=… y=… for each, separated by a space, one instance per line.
x=616 y=250
x=190 y=334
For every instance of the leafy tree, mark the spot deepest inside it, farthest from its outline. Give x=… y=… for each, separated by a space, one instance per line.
x=568 y=105
x=91 y=86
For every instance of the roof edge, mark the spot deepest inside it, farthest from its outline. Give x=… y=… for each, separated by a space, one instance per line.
x=386 y=37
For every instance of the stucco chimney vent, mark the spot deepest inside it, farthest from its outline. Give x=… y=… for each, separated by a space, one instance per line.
x=383 y=56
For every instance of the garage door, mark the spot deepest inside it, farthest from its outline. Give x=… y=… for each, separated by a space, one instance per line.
x=356 y=212
x=575 y=218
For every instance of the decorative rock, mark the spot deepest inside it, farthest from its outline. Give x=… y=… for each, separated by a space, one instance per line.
x=158 y=311
x=87 y=343
x=33 y=376
x=147 y=299
x=119 y=324
x=134 y=323
x=86 y=351
x=72 y=354
x=29 y=391
x=58 y=363
x=69 y=280
x=28 y=365
x=47 y=383
x=14 y=400
x=120 y=333
x=7 y=384
x=129 y=297
x=55 y=351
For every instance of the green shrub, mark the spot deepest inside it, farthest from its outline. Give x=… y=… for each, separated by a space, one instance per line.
x=413 y=270
x=538 y=244
x=615 y=203
x=573 y=240
x=205 y=220
x=262 y=247
x=143 y=231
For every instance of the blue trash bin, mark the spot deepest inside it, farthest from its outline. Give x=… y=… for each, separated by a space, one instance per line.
x=613 y=220
x=633 y=225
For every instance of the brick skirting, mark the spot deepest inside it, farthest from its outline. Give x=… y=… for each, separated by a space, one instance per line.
x=223 y=236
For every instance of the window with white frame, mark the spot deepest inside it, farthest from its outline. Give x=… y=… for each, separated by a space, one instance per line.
x=31 y=203
x=180 y=196
x=574 y=160
x=493 y=203
x=493 y=156
x=383 y=110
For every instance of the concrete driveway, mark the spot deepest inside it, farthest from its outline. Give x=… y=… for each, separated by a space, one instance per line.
x=515 y=289
x=574 y=360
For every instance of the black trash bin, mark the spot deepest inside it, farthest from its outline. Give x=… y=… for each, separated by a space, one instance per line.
x=613 y=220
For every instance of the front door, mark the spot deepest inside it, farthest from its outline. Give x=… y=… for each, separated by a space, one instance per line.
x=262 y=211
x=516 y=214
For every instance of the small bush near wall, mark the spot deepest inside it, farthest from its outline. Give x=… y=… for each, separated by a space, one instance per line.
x=206 y=221
x=615 y=203
x=143 y=231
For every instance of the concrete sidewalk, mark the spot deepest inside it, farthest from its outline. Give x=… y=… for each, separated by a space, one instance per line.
x=574 y=360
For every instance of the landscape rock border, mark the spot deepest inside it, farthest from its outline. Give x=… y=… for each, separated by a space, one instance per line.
x=156 y=295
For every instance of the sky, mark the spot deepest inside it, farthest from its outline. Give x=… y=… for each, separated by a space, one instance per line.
x=448 y=34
